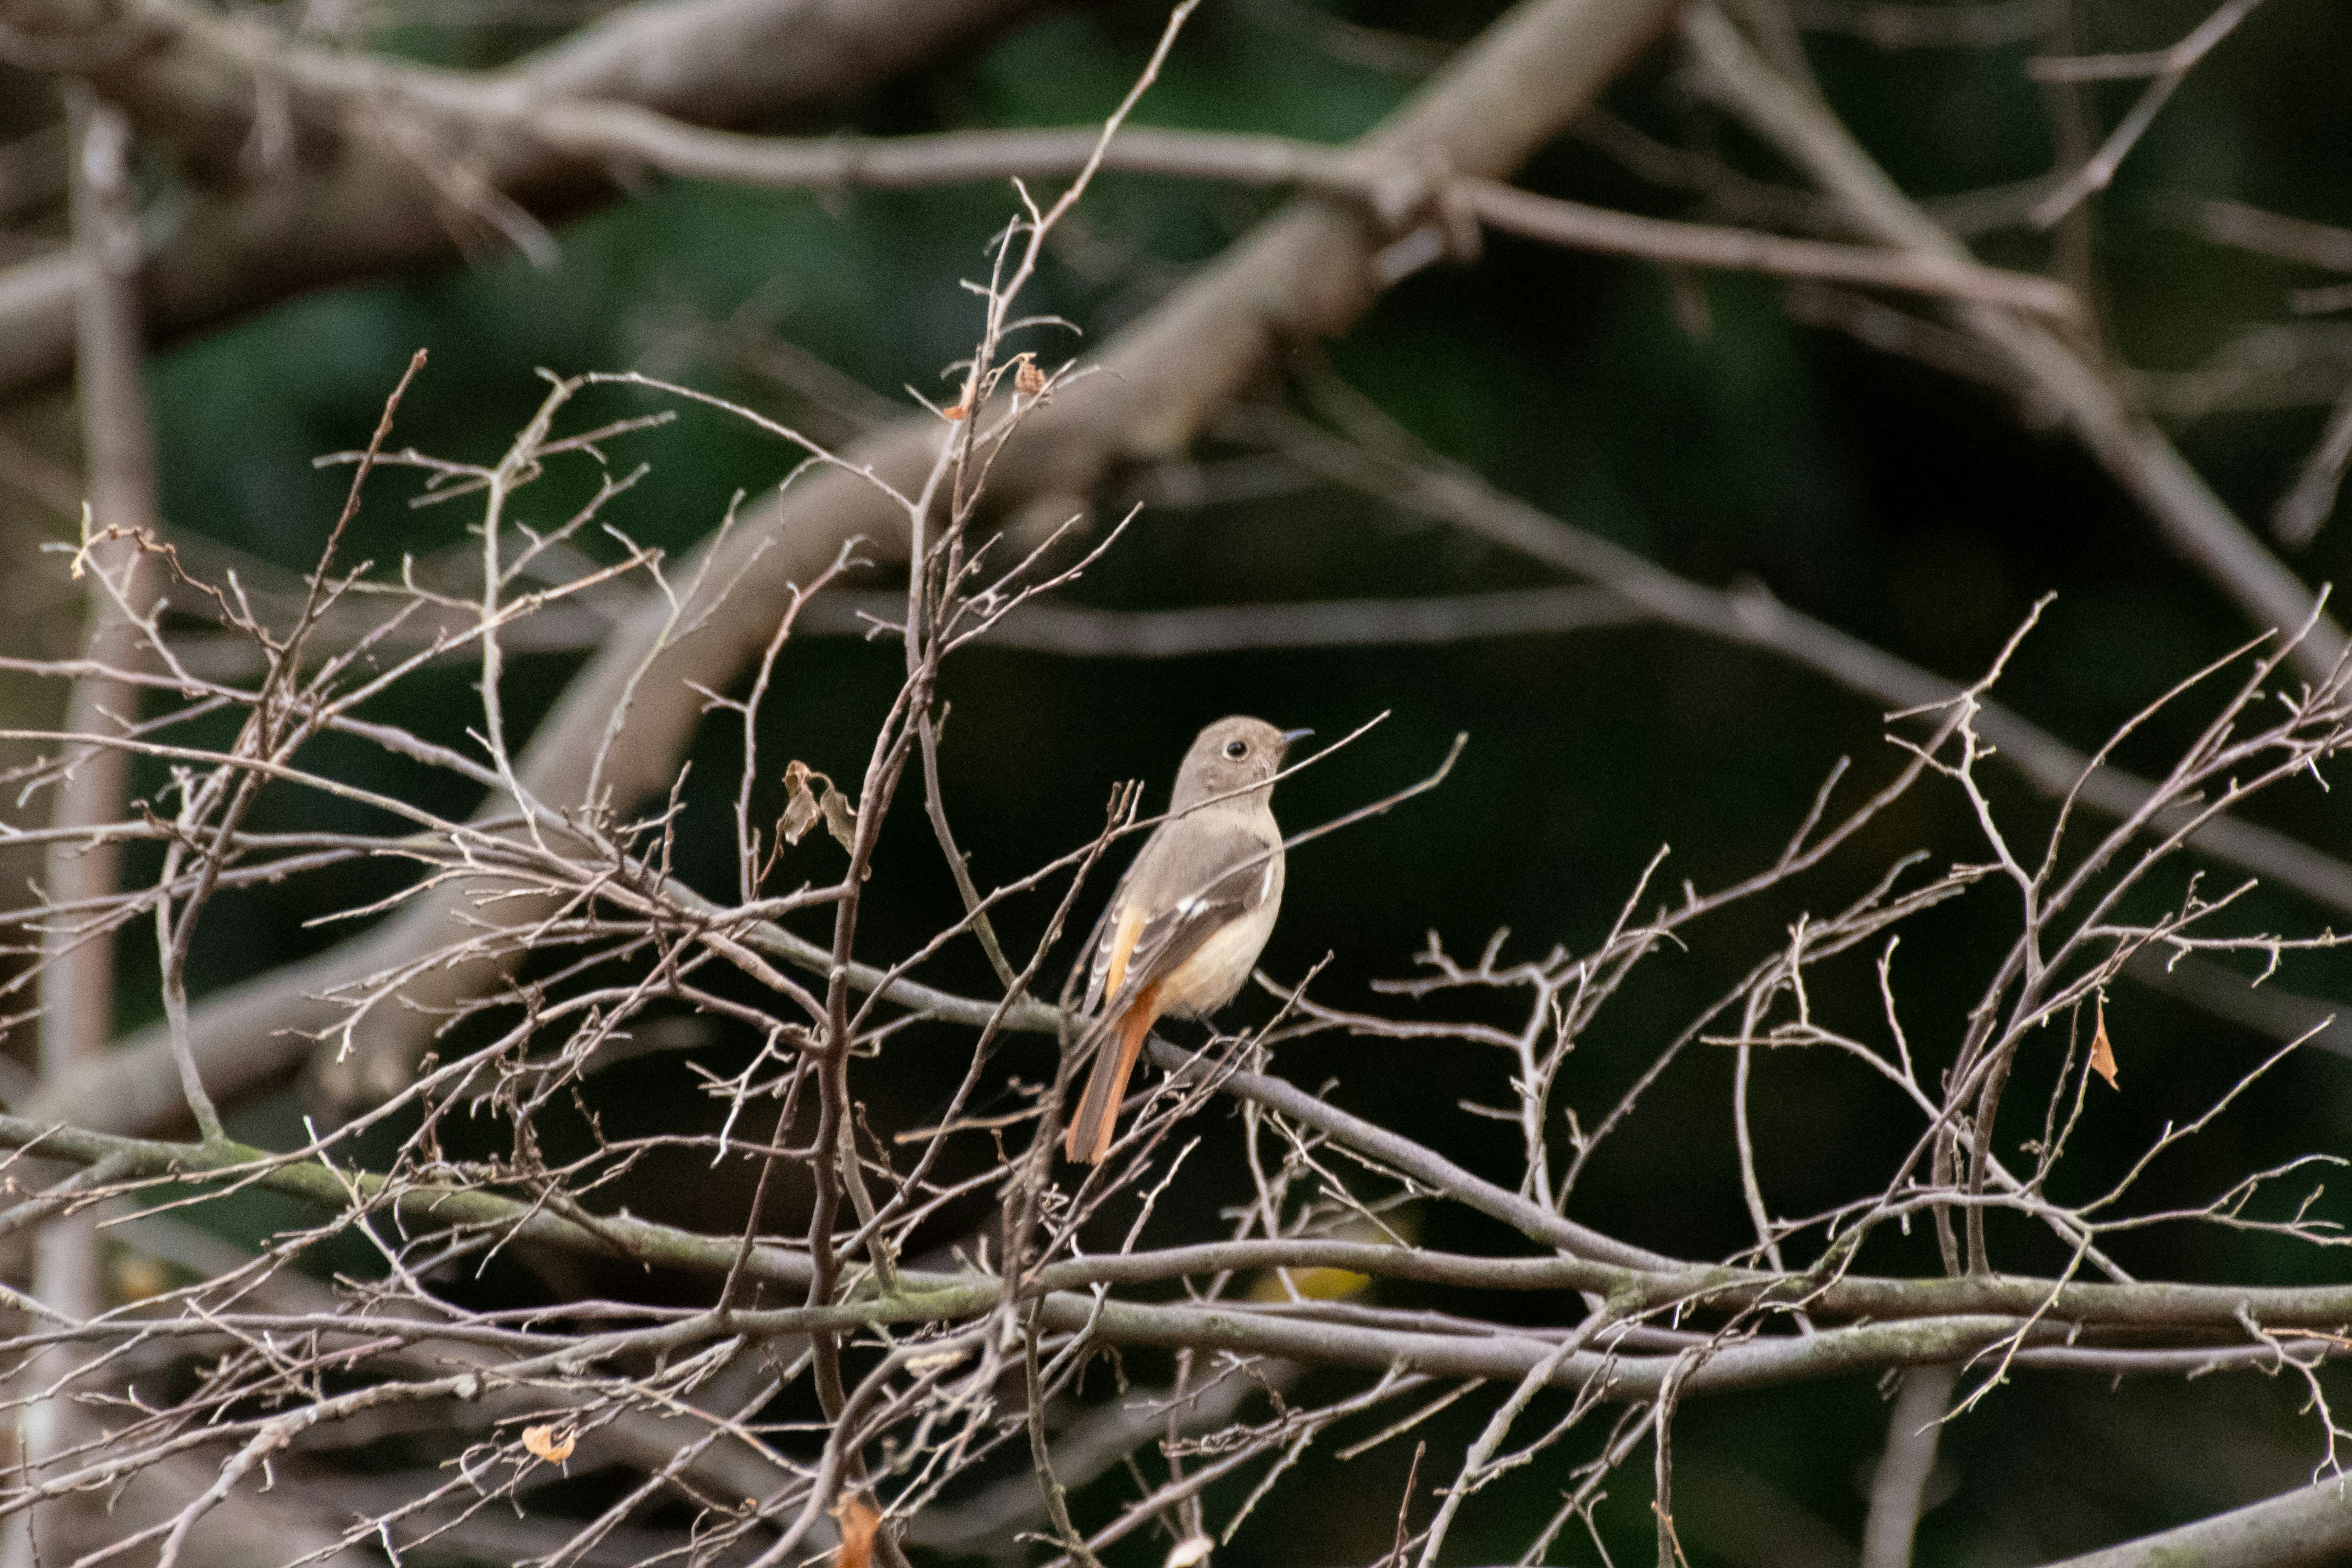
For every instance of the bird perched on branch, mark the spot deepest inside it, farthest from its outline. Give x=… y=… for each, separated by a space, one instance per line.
x=1186 y=924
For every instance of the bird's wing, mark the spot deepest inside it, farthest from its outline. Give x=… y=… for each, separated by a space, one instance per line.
x=1163 y=911
x=1106 y=949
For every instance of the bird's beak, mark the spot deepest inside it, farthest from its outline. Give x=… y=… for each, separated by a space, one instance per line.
x=1292 y=737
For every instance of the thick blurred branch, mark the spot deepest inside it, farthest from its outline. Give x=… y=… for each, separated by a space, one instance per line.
x=78 y=985
x=1899 y=1487
x=628 y=135
x=1396 y=193
x=1898 y=1321
x=2305 y=508
x=316 y=167
x=1585 y=1261
x=77 y=980
x=2266 y=1009
x=2304 y=1529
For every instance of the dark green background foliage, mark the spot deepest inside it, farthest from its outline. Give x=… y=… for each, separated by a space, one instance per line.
x=1690 y=418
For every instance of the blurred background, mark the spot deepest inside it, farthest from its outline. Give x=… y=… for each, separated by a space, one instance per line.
x=1737 y=431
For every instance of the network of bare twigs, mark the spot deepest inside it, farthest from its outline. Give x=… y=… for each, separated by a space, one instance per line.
x=873 y=1374
x=870 y=1367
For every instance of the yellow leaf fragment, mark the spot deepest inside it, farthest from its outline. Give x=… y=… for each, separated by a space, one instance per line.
x=1398 y=1227
x=552 y=1443
x=138 y=1278
x=1311 y=1284
x=2103 y=1050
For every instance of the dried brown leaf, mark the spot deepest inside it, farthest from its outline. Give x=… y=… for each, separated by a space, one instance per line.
x=957 y=411
x=801 y=810
x=841 y=819
x=2103 y=1050
x=1027 y=379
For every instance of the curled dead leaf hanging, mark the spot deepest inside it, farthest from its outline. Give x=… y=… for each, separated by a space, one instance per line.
x=840 y=819
x=801 y=809
x=810 y=798
x=2103 y=1050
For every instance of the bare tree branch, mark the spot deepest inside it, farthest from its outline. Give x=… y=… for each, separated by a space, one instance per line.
x=416 y=184
x=2297 y=1530
x=2146 y=464
x=1897 y=1492
x=77 y=990
x=1302 y=274
x=891 y=1322
x=1395 y=193
x=2167 y=69
x=1754 y=618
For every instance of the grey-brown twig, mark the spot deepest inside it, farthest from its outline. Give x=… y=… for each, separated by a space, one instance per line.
x=2084 y=395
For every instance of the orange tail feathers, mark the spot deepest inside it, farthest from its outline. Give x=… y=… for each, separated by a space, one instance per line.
x=1088 y=1138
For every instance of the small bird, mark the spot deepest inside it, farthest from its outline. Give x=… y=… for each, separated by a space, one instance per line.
x=1185 y=925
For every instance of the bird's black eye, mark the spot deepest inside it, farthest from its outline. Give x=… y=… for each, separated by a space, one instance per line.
x=1237 y=750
